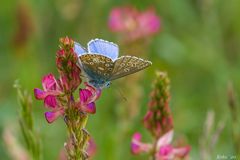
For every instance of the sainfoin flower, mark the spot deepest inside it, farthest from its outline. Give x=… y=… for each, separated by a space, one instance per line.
x=158 y=121
x=51 y=90
x=133 y=24
x=163 y=150
x=88 y=96
x=59 y=98
x=137 y=146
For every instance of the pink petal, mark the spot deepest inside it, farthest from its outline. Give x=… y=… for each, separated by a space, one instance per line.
x=61 y=52
x=89 y=108
x=85 y=95
x=165 y=139
x=50 y=101
x=96 y=93
x=137 y=146
x=75 y=75
x=49 y=82
x=52 y=116
x=89 y=87
x=64 y=82
x=182 y=152
x=146 y=119
x=39 y=94
x=62 y=155
x=148 y=115
x=91 y=148
x=165 y=150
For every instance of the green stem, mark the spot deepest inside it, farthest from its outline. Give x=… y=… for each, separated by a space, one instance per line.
x=154 y=150
x=76 y=122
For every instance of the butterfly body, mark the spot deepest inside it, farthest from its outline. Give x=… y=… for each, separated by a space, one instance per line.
x=102 y=65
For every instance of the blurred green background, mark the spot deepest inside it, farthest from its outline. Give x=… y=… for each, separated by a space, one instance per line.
x=198 y=45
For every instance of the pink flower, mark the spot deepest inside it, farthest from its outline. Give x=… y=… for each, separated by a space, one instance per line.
x=165 y=151
x=148 y=22
x=122 y=19
x=88 y=96
x=133 y=24
x=53 y=115
x=51 y=89
x=137 y=146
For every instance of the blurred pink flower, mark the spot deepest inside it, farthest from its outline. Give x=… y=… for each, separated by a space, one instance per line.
x=137 y=146
x=133 y=24
x=158 y=119
x=15 y=150
x=163 y=149
x=91 y=148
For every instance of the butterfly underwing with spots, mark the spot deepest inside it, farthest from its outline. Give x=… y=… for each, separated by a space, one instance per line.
x=101 y=64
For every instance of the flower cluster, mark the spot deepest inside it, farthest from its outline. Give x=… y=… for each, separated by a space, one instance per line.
x=162 y=149
x=158 y=120
x=133 y=24
x=58 y=97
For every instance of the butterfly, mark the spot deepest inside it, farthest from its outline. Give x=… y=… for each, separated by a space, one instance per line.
x=101 y=64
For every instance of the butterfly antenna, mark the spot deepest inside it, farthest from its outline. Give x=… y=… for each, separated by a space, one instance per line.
x=121 y=93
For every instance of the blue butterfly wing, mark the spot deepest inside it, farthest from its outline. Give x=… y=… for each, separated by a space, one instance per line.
x=78 y=49
x=105 y=48
x=97 y=67
x=126 y=65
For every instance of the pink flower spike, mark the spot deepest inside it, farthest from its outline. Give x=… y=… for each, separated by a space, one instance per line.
x=182 y=151
x=39 y=94
x=137 y=146
x=89 y=108
x=50 y=101
x=49 y=82
x=165 y=139
x=52 y=116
